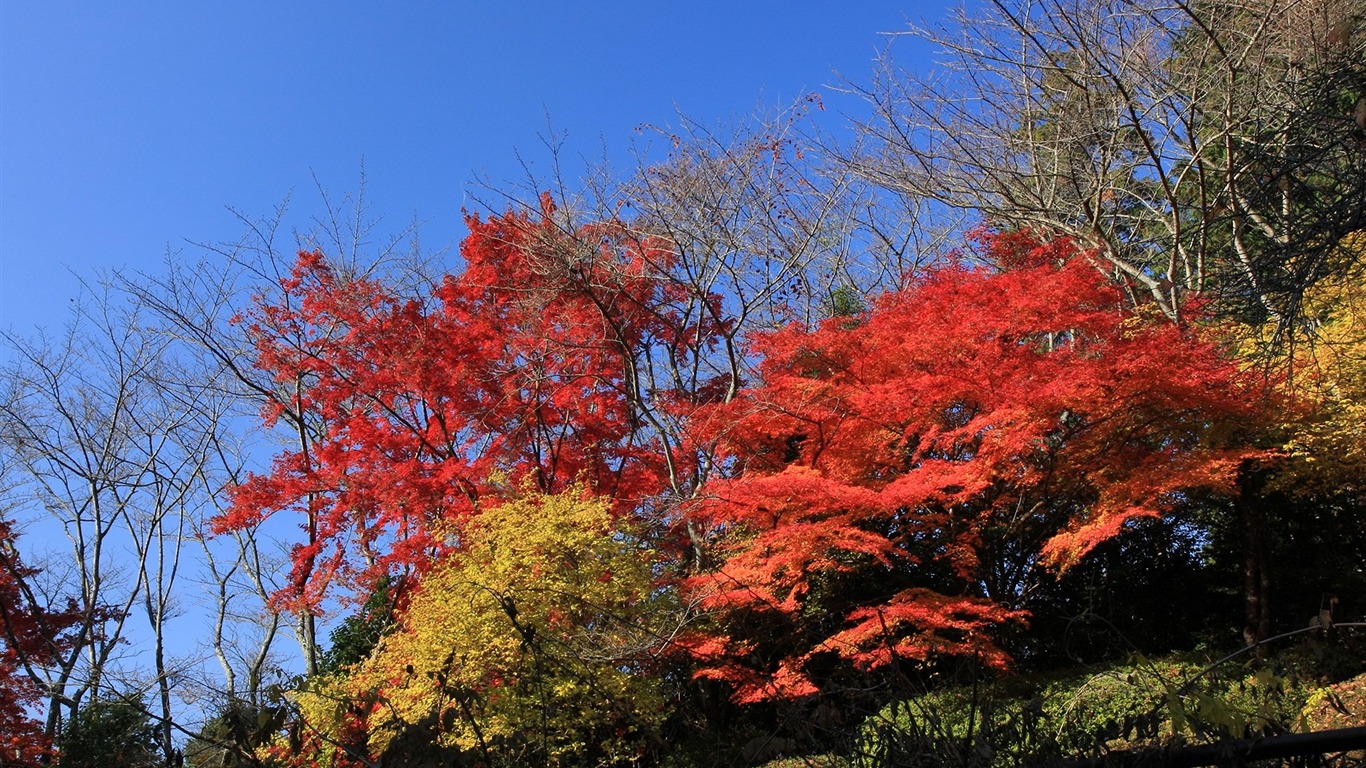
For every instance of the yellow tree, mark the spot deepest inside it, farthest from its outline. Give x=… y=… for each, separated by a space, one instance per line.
x=1326 y=362
x=531 y=644
x=1321 y=472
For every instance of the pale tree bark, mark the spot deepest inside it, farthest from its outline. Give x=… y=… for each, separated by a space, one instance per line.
x=241 y=578
x=106 y=448
x=181 y=491
x=1198 y=148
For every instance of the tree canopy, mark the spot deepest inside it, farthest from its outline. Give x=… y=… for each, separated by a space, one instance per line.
x=902 y=479
x=531 y=643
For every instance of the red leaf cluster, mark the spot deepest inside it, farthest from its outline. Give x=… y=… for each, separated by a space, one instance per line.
x=530 y=366
x=913 y=472
x=31 y=636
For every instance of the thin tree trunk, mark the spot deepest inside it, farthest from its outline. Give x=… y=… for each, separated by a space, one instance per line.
x=1256 y=574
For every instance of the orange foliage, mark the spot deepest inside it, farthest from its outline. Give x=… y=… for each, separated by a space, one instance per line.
x=914 y=472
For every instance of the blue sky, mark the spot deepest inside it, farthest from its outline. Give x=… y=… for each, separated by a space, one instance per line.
x=127 y=128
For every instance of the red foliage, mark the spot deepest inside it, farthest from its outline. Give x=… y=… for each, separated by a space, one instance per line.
x=899 y=481
x=30 y=635
x=529 y=366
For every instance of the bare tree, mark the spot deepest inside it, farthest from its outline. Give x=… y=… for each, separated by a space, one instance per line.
x=1199 y=147
x=106 y=448
x=240 y=578
x=121 y=435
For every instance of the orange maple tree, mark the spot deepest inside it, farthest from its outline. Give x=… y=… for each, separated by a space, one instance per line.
x=898 y=481
x=903 y=478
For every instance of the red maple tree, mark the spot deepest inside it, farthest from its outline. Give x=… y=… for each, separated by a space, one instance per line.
x=555 y=357
x=901 y=479
x=32 y=635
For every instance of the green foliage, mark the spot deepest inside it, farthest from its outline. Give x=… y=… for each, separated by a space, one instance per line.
x=353 y=639
x=109 y=733
x=231 y=739
x=952 y=727
x=1014 y=722
x=846 y=301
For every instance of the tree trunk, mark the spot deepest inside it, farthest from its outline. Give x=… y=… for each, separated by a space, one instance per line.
x=1256 y=574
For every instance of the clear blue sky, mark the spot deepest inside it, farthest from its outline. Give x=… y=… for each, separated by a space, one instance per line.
x=127 y=127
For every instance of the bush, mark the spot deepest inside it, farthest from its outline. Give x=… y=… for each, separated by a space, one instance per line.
x=109 y=733
x=1041 y=722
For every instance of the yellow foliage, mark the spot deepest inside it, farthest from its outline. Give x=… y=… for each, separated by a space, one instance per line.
x=530 y=643
x=1326 y=364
